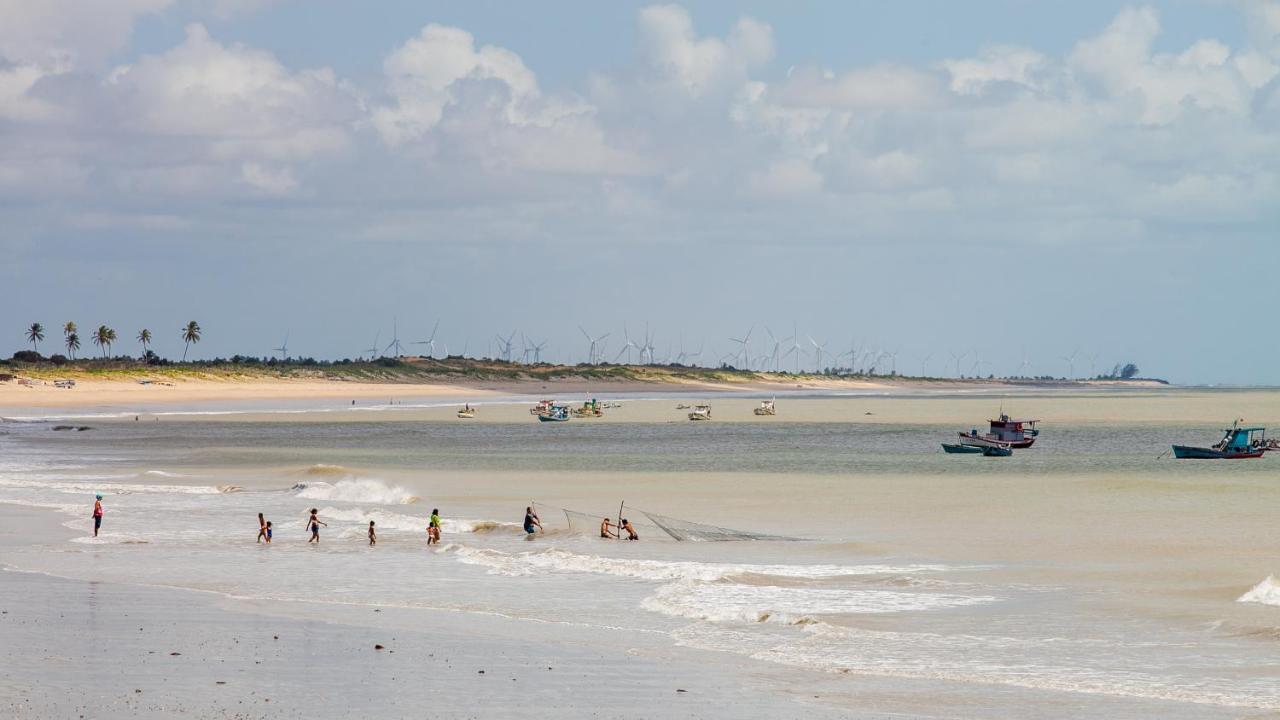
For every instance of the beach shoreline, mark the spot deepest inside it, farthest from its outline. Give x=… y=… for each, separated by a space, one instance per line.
x=130 y=392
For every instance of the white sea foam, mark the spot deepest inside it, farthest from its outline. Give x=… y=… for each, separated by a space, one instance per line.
x=1266 y=592
x=561 y=560
x=734 y=602
x=117 y=488
x=354 y=490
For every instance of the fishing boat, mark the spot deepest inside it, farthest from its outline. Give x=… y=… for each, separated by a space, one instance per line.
x=997 y=451
x=766 y=408
x=961 y=449
x=467 y=412
x=555 y=413
x=1008 y=431
x=700 y=412
x=542 y=407
x=590 y=408
x=1237 y=443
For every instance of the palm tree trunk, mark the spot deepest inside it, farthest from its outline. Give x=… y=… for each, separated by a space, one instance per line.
x=184 y=351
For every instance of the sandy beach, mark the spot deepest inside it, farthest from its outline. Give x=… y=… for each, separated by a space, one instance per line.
x=1066 y=581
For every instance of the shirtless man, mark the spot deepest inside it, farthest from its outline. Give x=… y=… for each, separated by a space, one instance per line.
x=631 y=531
x=606 y=530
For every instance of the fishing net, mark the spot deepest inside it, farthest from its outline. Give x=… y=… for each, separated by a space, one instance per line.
x=699 y=532
x=587 y=523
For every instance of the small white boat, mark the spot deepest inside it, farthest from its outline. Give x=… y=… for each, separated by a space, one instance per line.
x=467 y=412
x=700 y=412
x=766 y=408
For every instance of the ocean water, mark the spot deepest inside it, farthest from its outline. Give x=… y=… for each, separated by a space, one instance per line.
x=1085 y=575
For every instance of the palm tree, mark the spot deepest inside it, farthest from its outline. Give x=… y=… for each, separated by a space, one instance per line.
x=35 y=334
x=69 y=329
x=103 y=338
x=190 y=334
x=73 y=344
x=144 y=337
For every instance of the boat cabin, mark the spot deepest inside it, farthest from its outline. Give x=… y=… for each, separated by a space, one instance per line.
x=1242 y=439
x=1010 y=430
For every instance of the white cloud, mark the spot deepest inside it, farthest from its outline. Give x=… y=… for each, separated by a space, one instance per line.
x=68 y=32
x=995 y=64
x=698 y=66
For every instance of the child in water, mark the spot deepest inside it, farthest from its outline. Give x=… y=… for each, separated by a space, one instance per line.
x=268 y=532
x=314 y=526
x=433 y=528
x=373 y=536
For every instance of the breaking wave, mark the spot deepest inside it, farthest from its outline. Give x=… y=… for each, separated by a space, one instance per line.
x=1266 y=592
x=560 y=560
x=734 y=602
x=354 y=490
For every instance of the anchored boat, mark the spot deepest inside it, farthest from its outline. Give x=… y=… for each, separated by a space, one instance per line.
x=555 y=413
x=1005 y=431
x=766 y=408
x=467 y=412
x=700 y=412
x=1236 y=443
x=961 y=449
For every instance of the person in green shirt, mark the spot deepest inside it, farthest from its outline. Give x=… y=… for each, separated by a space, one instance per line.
x=433 y=528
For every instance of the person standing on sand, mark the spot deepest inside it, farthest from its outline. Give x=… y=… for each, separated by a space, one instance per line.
x=531 y=521
x=97 y=513
x=262 y=528
x=314 y=526
x=373 y=536
x=433 y=527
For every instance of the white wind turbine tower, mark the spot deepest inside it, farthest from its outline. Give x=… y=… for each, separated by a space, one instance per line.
x=596 y=350
x=774 y=355
x=924 y=363
x=1071 y=363
x=1022 y=366
x=504 y=345
x=647 y=348
x=745 y=352
x=284 y=348
x=395 y=339
x=625 y=348
x=696 y=357
x=1093 y=365
x=430 y=342
x=537 y=351
x=957 y=359
x=373 y=351
x=818 y=351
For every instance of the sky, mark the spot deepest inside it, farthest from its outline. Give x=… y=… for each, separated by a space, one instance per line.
x=997 y=186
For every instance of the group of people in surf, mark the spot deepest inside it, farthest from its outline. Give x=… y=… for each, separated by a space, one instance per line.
x=609 y=531
x=532 y=526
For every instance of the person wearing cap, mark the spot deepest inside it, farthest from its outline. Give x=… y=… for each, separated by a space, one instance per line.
x=97 y=514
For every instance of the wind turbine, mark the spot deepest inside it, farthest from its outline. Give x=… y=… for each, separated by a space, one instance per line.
x=536 y=348
x=504 y=344
x=373 y=351
x=647 y=348
x=773 y=354
x=698 y=355
x=818 y=350
x=745 y=352
x=395 y=338
x=626 y=348
x=957 y=359
x=430 y=342
x=1071 y=363
x=284 y=348
x=1022 y=366
x=923 y=364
